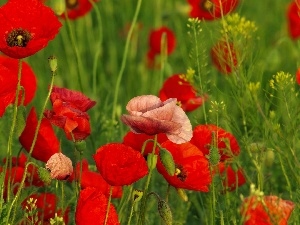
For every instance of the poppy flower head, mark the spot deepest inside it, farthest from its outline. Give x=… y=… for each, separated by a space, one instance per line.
x=60 y=166
x=46 y=144
x=224 y=57
x=192 y=167
x=293 y=19
x=91 y=208
x=267 y=210
x=177 y=86
x=78 y=8
x=120 y=164
x=211 y=9
x=136 y=141
x=149 y=115
x=26 y=27
x=225 y=141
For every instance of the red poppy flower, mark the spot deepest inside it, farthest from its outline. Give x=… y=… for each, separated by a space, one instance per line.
x=46 y=204
x=231 y=179
x=120 y=164
x=136 y=141
x=149 y=115
x=91 y=208
x=223 y=58
x=298 y=76
x=26 y=27
x=211 y=9
x=202 y=138
x=178 y=87
x=272 y=210
x=28 y=79
x=293 y=19
x=46 y=144
x=192 y=167
x=78 y=8
x=94 y=179
x=155 y=42
x=69 y=112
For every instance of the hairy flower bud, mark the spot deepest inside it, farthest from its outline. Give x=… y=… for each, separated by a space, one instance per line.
x=165 y=212
x=167 y=160
x=44 y=175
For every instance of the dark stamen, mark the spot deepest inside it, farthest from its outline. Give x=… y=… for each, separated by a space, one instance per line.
x=18 y=37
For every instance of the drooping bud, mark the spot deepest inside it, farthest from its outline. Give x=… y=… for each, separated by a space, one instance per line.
x=165 y=212
x=52 y=63
x=269 y=157
x=44 y=175
x=60 y=166
x=167 y=160
x=151 y=161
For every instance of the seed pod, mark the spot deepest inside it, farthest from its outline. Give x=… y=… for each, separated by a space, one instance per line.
x=165 y=212
x=137 y=195
x=167 y=160
x=151 y=161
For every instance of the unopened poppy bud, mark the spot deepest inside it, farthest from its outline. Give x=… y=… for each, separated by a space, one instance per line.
x=44 y=175
x=165 y=212
x=269 y=157
x=58 y=6
x=52 y=63
x=137 y=195
x=151 y=161
x=182 y=194
x=60 y=166
x=80 y=146
x=167 y=160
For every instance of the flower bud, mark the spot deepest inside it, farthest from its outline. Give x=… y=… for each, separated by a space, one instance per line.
x=58 y=6
x=44 y=175
x=269 y=157
x=137 y=195
x=151 y=161
x=52 y=63
x=167 y=160
x=165 y=212
x=60 y=166
x=80 y=146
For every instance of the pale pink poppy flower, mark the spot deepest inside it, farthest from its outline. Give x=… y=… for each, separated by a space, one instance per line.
x=60 y=166
x=149 y=115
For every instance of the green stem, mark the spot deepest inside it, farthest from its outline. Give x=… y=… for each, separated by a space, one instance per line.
x=8 y=163
x=108 y=204
x=125 y=54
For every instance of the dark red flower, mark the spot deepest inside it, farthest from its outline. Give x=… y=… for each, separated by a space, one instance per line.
x=136 y=141
x=69 y=112
x=192 y=167
x=94 y=179
x=293 y=19
x=91 y=208
x=155 y=44
x=231 y=179
x=120 y=164
x=46 y=204
x=26 y=27
x=149 y=115
x=28 y=79
x=298 y=76
x=211 y=9
x=225 y=141
x=224 y=58
x=177 y=86
x=78 y=8
x=46 y=144
x=269 y=210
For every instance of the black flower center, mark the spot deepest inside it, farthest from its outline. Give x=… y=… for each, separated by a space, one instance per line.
x=71 y=4
x=18 y=37
x=180 y=173
x=207 y=5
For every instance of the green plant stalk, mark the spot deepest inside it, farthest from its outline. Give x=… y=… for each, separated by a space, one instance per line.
x=125 y=54
x=31 y=149
x=108 y=204
x=8 y=163
x=141 y=220
x=79 y=62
